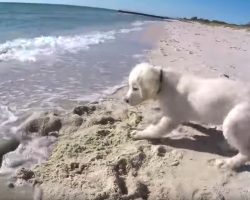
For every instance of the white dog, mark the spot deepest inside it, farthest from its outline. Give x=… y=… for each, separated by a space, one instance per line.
x=184 y=98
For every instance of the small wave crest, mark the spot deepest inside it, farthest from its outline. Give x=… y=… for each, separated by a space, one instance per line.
x=138 y=23
x=130 y=30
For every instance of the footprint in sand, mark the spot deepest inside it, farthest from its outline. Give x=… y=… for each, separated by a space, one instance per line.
x=177 y=49
x=163 y=52
x=236 y=48
x=213 y=68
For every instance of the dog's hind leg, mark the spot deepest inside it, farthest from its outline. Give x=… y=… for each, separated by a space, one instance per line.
x=162 y=128
x=236 y=129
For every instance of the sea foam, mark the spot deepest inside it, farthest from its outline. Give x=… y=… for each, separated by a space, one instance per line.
x=31 y=49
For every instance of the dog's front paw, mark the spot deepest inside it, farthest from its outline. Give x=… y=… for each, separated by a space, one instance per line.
x=224 y=163
x=221 y=163
x=137 y=135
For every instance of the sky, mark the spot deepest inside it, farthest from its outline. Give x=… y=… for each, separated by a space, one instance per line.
x=232 y=11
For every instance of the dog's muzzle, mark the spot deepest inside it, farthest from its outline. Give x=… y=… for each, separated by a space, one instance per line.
x=126 y=100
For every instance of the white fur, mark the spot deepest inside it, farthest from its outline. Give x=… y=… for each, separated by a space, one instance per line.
x=184 y=98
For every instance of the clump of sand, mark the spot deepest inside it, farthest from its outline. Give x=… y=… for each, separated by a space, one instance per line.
x=92 y=159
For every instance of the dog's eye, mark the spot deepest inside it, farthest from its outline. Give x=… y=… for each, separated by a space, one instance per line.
x=135 y=89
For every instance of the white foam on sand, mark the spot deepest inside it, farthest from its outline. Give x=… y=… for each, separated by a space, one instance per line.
x=7 y=116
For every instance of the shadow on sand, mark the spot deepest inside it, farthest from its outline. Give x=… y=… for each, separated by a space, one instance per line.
x=209 y=142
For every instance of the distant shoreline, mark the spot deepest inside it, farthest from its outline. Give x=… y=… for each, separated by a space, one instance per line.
x=143 y=14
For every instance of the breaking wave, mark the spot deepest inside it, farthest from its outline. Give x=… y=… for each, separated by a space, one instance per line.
x=30 y=49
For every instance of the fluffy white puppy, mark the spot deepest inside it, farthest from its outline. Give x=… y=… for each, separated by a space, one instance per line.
x=184 y=98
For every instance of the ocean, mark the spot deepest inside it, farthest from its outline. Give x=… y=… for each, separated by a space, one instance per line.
x=54 y=57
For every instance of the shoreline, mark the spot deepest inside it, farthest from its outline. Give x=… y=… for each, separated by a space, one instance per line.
x=95 y=157
x=142 y=14
x=106 y=94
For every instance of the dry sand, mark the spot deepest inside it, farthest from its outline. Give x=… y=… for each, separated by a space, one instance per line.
x=95 y=157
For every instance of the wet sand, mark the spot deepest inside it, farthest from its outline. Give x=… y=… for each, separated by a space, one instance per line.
x=17 y=193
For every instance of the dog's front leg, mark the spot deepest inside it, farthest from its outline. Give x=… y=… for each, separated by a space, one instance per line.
x=163 y=127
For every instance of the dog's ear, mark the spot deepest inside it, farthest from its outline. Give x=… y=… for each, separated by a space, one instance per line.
x=142 y=88
x=148 y=86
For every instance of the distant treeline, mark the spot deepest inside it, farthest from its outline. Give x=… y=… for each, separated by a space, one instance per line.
x=215 y=22
x=201 y=20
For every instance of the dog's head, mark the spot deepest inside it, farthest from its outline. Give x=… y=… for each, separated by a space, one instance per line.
x=144 y=83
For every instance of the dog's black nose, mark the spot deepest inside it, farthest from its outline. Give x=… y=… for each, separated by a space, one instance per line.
x=126 y=100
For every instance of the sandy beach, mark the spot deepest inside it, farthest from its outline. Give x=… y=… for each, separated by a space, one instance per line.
x=95 y=157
